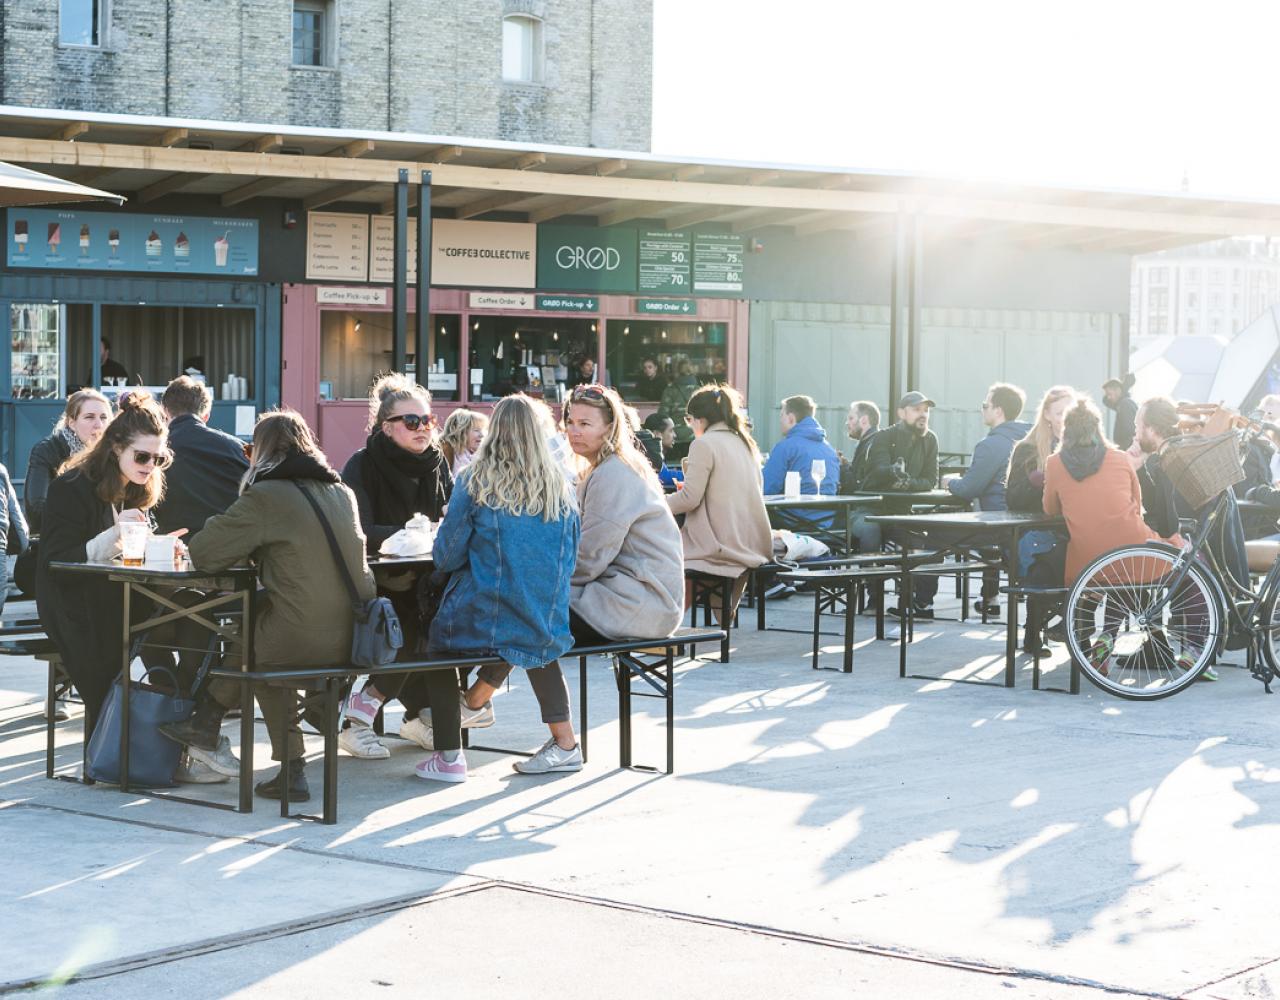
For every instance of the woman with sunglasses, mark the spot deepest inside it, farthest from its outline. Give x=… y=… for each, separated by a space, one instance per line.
x=119 y=478
x=400 y=471
x=726 y=527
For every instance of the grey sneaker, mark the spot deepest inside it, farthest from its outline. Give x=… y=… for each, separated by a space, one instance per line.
x=551 y=758
x=417 y=730
x=196 y=772
x=477 y=718
x=362 y=741
x=222 y=760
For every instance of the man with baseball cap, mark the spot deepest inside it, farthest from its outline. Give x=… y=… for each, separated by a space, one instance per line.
x=904 y=458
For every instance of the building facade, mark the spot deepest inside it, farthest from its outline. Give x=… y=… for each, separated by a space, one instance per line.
x=564 y=72
x=1215 y=289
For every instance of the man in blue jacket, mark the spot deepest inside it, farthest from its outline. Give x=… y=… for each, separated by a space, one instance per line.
x=985 y=479
x=803 y=443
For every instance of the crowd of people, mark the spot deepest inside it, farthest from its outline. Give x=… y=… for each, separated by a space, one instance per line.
x=555 y=531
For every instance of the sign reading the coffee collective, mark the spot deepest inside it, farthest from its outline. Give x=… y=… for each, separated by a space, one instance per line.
x=666 y=262
x=579 y=258
x=483 y=254
x=337 y=246
x=718 y=263
x=54 y=239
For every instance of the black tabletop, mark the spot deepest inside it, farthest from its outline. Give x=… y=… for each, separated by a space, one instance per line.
x=401 y=562
x=993 y=519
x=242 y=575
x=825 y=500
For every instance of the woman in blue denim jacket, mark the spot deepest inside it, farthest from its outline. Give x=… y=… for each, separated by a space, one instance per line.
x=510 y=541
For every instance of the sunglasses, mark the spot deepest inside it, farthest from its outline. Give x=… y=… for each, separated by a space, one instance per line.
x=159 y=458
x=412 y=421
x=593 y=391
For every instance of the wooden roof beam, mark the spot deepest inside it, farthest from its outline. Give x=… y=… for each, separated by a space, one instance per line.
x=361 y=147
x=165 y=186
x=262 y=144
x=688 y=173
x=639 y=210
x=864 y=225
x=170 y=137
x=697 y=216
x=69 y=133
x=525 y=161
x=569 y=206
x=253 y=189
x=440 y=154
x=338 y=192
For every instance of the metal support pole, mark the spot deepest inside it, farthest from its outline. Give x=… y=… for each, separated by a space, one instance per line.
x=422 y=338
x=895 y=316
x=913 y=303
x=400 y=314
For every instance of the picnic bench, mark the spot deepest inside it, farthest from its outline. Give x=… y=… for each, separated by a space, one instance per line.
x=649 y=660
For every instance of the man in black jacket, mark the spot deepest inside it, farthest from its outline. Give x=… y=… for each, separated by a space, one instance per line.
x=862 y=424
x=204 y=478
x=904 y=458
x=1115 y=395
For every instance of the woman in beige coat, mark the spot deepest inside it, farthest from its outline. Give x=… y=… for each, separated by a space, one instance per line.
x=726 y=528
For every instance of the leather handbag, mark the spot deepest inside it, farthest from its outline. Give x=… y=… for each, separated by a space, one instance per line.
x=153 y=757
x=377 y=636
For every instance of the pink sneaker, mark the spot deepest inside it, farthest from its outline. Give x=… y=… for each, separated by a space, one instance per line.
x=436 y=768
x=361 y=708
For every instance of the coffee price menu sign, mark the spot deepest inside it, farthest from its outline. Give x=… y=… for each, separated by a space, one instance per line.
x=58 y=239
x=337 y=246
x=666 y=262
x=382 y=249
x=718 y=262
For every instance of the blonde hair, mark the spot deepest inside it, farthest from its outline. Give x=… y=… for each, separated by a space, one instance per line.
x=75 y=403
x=392 y=388
x=1042 y=434
x=276 y=435
x=513 y=471
x=620 y=440
x=457 y=428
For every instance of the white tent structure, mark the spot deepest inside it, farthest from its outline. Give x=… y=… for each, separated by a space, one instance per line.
x=1203 y=369
x=20 y=186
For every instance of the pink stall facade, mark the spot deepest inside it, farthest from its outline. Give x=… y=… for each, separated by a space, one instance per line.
x=485 y=344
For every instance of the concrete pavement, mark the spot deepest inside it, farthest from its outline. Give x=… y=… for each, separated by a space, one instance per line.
x=1059 y=843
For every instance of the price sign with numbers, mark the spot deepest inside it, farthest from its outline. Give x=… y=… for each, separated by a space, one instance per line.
x=718 y=263
x=666 y=262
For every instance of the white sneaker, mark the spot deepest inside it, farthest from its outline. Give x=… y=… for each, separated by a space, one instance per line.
x=417 y=730
x=196 y=772
x=60 y=713
x=476 y=718
x=551 y=758
x=362 y=742
x=222 y=761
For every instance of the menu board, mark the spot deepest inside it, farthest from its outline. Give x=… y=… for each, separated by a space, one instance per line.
x=382 y=249
x=718 y=262
x=337 y=246
x=666 y=262
x=115 y=241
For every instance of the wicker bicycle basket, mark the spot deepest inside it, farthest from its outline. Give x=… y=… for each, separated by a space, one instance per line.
x=1201 y=468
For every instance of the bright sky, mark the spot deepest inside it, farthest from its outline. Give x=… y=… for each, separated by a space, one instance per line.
x=1126 y=94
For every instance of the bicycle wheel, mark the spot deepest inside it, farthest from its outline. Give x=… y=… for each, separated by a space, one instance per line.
x=1270 y=620
x=1133 y=631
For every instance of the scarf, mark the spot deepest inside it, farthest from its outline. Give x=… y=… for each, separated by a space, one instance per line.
x=1082 y=461
x=71 y=439
x=296 y=465
x=401 y=484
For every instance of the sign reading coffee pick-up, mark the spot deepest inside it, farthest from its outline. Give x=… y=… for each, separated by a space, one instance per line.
x=581 y=258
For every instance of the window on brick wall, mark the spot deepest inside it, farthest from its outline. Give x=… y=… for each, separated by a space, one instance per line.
x=80 y=21
x=312 y=32
x=522 y=49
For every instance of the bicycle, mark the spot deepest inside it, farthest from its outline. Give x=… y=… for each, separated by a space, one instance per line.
x=1145 y=621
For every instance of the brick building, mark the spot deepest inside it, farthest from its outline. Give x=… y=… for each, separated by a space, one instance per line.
x=565 y=72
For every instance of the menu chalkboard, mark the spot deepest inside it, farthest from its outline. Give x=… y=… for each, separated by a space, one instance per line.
x=666 y=262
x=718 y=262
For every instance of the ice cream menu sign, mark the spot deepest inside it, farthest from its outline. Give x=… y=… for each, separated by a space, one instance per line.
x=110 y=241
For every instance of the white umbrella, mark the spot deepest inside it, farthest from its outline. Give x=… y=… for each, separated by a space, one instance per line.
x=20 y=186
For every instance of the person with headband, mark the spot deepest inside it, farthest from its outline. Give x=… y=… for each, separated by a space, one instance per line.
x=726 y=527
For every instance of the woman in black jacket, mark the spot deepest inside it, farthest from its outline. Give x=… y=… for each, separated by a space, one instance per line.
x=120 y=478
x=87 y=414
x=400 y=471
